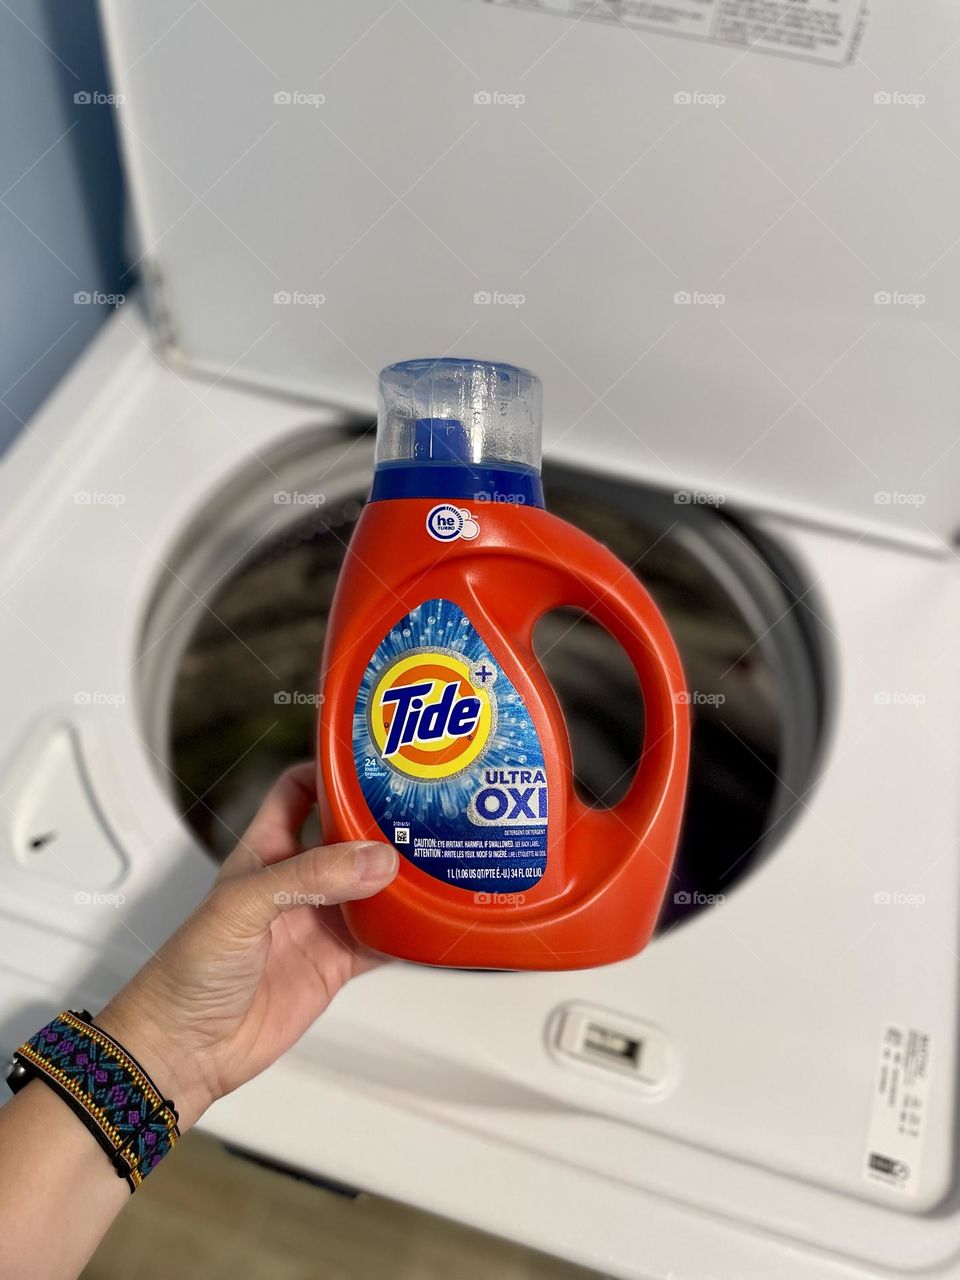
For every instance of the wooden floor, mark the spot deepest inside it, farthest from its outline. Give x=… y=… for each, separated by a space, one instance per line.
x=205 y=1213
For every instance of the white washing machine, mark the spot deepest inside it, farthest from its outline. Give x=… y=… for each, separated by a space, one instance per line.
x=724 y=232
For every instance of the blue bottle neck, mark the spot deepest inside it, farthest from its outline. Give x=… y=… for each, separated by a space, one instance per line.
x=504 y=483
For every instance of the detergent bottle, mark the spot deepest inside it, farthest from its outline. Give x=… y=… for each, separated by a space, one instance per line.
x=439 y=731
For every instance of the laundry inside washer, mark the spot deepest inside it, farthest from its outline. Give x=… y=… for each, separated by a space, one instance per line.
x=228 y=691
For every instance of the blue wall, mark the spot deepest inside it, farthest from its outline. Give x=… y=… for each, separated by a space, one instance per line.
x=61 y=197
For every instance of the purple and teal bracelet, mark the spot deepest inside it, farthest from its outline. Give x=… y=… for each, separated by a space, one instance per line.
x=107 y=1089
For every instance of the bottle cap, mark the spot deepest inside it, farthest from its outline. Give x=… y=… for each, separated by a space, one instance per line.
x=447 y=411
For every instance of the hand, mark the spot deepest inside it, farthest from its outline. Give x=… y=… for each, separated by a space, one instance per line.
x=257 y=962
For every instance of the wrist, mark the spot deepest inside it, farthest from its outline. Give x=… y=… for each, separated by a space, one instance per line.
x=175 y=1076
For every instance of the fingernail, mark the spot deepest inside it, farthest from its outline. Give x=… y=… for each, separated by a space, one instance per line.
x=374 y=862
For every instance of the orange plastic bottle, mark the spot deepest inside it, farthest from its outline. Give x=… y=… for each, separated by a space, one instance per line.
x=439 y=731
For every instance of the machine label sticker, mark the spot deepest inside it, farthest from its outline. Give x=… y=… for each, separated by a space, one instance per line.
x=823 y=30
x=898 y=1115
x=447 y=756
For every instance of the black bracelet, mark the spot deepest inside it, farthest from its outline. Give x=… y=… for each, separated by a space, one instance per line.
x=106 y=1087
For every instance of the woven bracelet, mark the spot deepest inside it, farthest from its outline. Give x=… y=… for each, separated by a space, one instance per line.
x=107 y=1089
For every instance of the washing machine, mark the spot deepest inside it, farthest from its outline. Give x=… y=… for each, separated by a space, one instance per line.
x=724 y=233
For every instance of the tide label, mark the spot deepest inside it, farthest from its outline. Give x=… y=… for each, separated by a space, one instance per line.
x=447 y=755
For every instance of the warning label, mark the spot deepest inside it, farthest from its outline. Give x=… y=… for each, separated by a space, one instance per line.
x=898 y=1115
x=824 y=30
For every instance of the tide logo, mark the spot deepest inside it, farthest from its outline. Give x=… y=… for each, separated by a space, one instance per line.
x=426 y=716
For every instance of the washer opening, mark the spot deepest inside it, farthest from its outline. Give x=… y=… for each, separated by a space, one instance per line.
x=227 y=691
x=601 y=701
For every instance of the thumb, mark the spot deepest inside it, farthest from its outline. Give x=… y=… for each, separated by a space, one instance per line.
x=317 y=877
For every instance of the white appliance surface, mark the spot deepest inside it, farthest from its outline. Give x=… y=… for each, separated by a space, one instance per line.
x=737 y=273
x=440 y=1088
x=337 y=156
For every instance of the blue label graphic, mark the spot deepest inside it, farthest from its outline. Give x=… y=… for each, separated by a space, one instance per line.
x=447 y=755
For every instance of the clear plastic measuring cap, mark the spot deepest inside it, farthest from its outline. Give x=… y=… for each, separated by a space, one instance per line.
x=451 y=410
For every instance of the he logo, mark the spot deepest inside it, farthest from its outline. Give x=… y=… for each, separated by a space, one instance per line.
x=427 y=717
x=447 y=523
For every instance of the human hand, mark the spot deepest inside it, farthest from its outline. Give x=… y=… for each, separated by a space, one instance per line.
x=257 y=962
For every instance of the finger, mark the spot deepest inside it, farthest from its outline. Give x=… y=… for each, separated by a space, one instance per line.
x=274 y=834
x=318 y=877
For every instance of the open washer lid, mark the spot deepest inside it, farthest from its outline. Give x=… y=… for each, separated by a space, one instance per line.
x=729 y=244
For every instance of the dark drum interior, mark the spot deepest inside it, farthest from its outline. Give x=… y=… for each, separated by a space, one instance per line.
x=240 y=693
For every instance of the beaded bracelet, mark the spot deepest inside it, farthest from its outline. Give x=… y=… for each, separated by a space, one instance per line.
x=107 y=1089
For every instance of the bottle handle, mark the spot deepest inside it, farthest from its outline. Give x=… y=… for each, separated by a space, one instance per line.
x=657 y=790
x=584 y=575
